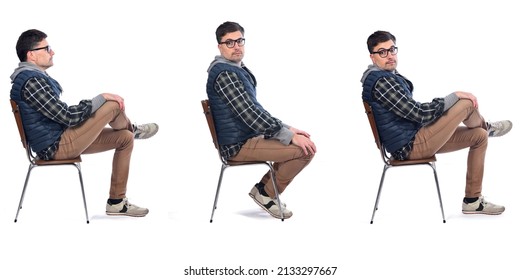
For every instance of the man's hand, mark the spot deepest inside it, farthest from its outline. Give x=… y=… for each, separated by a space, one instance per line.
x=300 y=132
x=116 y=98
x=303 y=140
x=467 y=95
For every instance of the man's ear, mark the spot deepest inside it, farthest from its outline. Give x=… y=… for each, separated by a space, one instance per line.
x=30 y=56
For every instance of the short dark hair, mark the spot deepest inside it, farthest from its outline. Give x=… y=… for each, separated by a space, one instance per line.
x=379 y=37
x=228 y=27
x=27 y=41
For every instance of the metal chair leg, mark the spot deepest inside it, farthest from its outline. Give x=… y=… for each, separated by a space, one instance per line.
x=376 y=205
x=273 y=177
x=31 y=166
x=275 y=186
x=78 y=166
x=222 y=169
x=432 y=165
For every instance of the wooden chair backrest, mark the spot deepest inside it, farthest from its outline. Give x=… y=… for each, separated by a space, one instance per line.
x=372 y=121
x=209 y=118
x=18 y=118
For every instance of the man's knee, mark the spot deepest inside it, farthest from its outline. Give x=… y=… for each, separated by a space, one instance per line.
x=306 y=157
x=480 y=136
x=125 y=139
x=112 y=105
x=467 y=104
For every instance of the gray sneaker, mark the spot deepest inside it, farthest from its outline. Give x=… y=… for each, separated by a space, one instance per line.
x=482 y=206
x=269 y=205
x=145 y=131
x=125 y=208
x=496 y=129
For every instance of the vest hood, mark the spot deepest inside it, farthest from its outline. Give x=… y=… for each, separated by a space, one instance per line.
x=23 y=66
x=221 y=59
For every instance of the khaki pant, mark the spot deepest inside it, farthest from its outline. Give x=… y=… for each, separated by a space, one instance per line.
x=446 y=135
x=288 y=161
x=92 y=136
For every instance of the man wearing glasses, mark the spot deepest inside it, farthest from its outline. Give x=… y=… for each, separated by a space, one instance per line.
x=56 y=130
x=245 y=130
x=415 y=130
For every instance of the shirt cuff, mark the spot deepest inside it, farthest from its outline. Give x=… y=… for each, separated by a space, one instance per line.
x=450 y=100
x=97 y=102
x=284 y=135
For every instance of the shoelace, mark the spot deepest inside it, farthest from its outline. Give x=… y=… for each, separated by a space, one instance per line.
x=125 y=200
x=483 y=202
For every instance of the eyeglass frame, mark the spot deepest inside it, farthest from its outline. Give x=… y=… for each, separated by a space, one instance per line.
x=46 y=48
x=384 y=52
x=240 y=42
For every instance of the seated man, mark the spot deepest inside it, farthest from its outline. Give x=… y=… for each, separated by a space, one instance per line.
x=413 y=130
x=245 y=130
x=56 y=130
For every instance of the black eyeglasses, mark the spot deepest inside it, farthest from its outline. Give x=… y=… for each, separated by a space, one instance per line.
x=231 y=43
x=384 y=52
x=46 y=48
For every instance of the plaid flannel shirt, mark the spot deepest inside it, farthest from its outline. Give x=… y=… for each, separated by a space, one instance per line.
x=230 y=88
x=39 y=95
x=392 y=96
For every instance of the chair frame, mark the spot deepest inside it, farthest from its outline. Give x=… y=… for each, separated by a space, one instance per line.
x=390 y=162
x=225 y=163
x=34 y=161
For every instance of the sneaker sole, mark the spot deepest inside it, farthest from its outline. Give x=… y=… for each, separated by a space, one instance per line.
x=267 y=210
x=483 y=213
x=125 y=214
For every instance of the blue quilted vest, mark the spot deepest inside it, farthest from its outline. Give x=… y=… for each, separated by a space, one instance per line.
x=41 y=132
x=230 y=129
x=395 y=132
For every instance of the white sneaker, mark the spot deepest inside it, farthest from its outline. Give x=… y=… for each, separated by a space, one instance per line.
x=482 y=207
x=145 y=131
x=125 y=208
x=269 y=205
x=500 y=128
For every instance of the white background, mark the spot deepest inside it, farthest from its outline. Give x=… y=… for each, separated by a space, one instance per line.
x=308 y=57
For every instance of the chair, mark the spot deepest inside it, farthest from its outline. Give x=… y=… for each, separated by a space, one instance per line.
x=35 y=162
x=225 y=163
x=390 y=162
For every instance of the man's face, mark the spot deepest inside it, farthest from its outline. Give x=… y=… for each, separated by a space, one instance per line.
x=235 y=53
x=41 y=55
x=385 y=56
